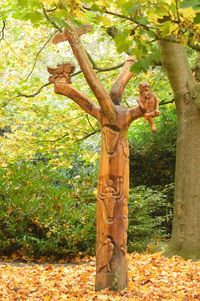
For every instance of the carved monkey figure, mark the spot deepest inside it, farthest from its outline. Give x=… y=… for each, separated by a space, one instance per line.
x=148 y=102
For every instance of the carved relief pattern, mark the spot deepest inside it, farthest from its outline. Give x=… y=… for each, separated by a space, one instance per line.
x=104 y=255
x=112 y=210
x=108 y=195
x=124 y=144
x=111 y=139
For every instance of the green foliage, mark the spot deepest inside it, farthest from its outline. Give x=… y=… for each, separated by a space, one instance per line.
x=152 y=156
x=47 y=212
x=43 y=212
x=150 y=216
x=190 y=3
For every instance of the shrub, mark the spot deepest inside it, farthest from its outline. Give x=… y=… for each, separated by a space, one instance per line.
x=150 y=216
x=43 y=214
x=152 y=156
x=46 y=212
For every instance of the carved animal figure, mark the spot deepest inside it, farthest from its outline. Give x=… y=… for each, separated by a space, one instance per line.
x=62 y=73
x=148 y=102
x=104 y=255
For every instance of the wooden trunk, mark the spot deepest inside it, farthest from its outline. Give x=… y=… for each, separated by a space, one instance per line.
x=113 y=180
x=112 y=209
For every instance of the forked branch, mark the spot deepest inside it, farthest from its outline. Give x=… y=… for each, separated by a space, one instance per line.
x=104 y=99
x=121 y=81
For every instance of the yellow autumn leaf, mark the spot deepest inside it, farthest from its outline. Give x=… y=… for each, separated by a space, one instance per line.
x=187 y=12
x=49 y=2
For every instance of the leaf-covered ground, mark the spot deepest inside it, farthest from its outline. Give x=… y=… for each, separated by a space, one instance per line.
x=151 y=277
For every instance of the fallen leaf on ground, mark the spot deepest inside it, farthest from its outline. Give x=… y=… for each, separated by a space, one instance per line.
x=151 y=277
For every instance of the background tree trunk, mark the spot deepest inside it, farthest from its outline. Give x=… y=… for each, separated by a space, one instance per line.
x=186 y=231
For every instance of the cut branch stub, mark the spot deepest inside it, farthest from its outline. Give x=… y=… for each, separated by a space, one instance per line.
x=61 y=74
x=121 y=81
x=61 y=37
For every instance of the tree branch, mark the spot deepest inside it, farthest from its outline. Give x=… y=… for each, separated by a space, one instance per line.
x=3 y=30
x=191 y=43
x=50 y=20
x=34 y=94
x=163 y=102
x=88 y=120
x=133 y=114
x=100 y=69
x=101 y=94
x=105 y=11
x=87 y=136
x=121 y=82
x=177 y=11
x=82 y=100
x=74 y=74
x=38 y=53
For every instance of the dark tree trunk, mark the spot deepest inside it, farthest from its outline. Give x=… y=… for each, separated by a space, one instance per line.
x=186 y=231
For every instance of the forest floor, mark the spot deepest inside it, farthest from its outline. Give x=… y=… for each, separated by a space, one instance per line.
x=151 y=277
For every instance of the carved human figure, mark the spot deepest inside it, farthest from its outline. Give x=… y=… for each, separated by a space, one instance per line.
x=148 y=102
x=109 y=195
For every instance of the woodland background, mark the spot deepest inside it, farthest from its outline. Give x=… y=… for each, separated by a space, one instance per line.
x=49 y=148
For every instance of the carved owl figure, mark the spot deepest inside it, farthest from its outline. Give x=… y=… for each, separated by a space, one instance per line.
x=62 y=73
x=105 y=255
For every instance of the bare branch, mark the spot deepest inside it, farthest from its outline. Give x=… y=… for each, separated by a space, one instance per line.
x=105 y=11
x=87 y=136
x=3 y=31
x=54 y=140
x=74 y=74
x=34 y=94
x=51 y=10
x=100 y=69
x=38 y=53
x=50 y=20
x=163 y=102
x=88 y=120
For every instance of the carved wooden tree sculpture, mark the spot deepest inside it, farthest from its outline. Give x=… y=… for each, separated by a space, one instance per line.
x=113 y=180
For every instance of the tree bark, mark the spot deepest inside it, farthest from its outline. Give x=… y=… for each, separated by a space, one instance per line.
x=185 y=239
